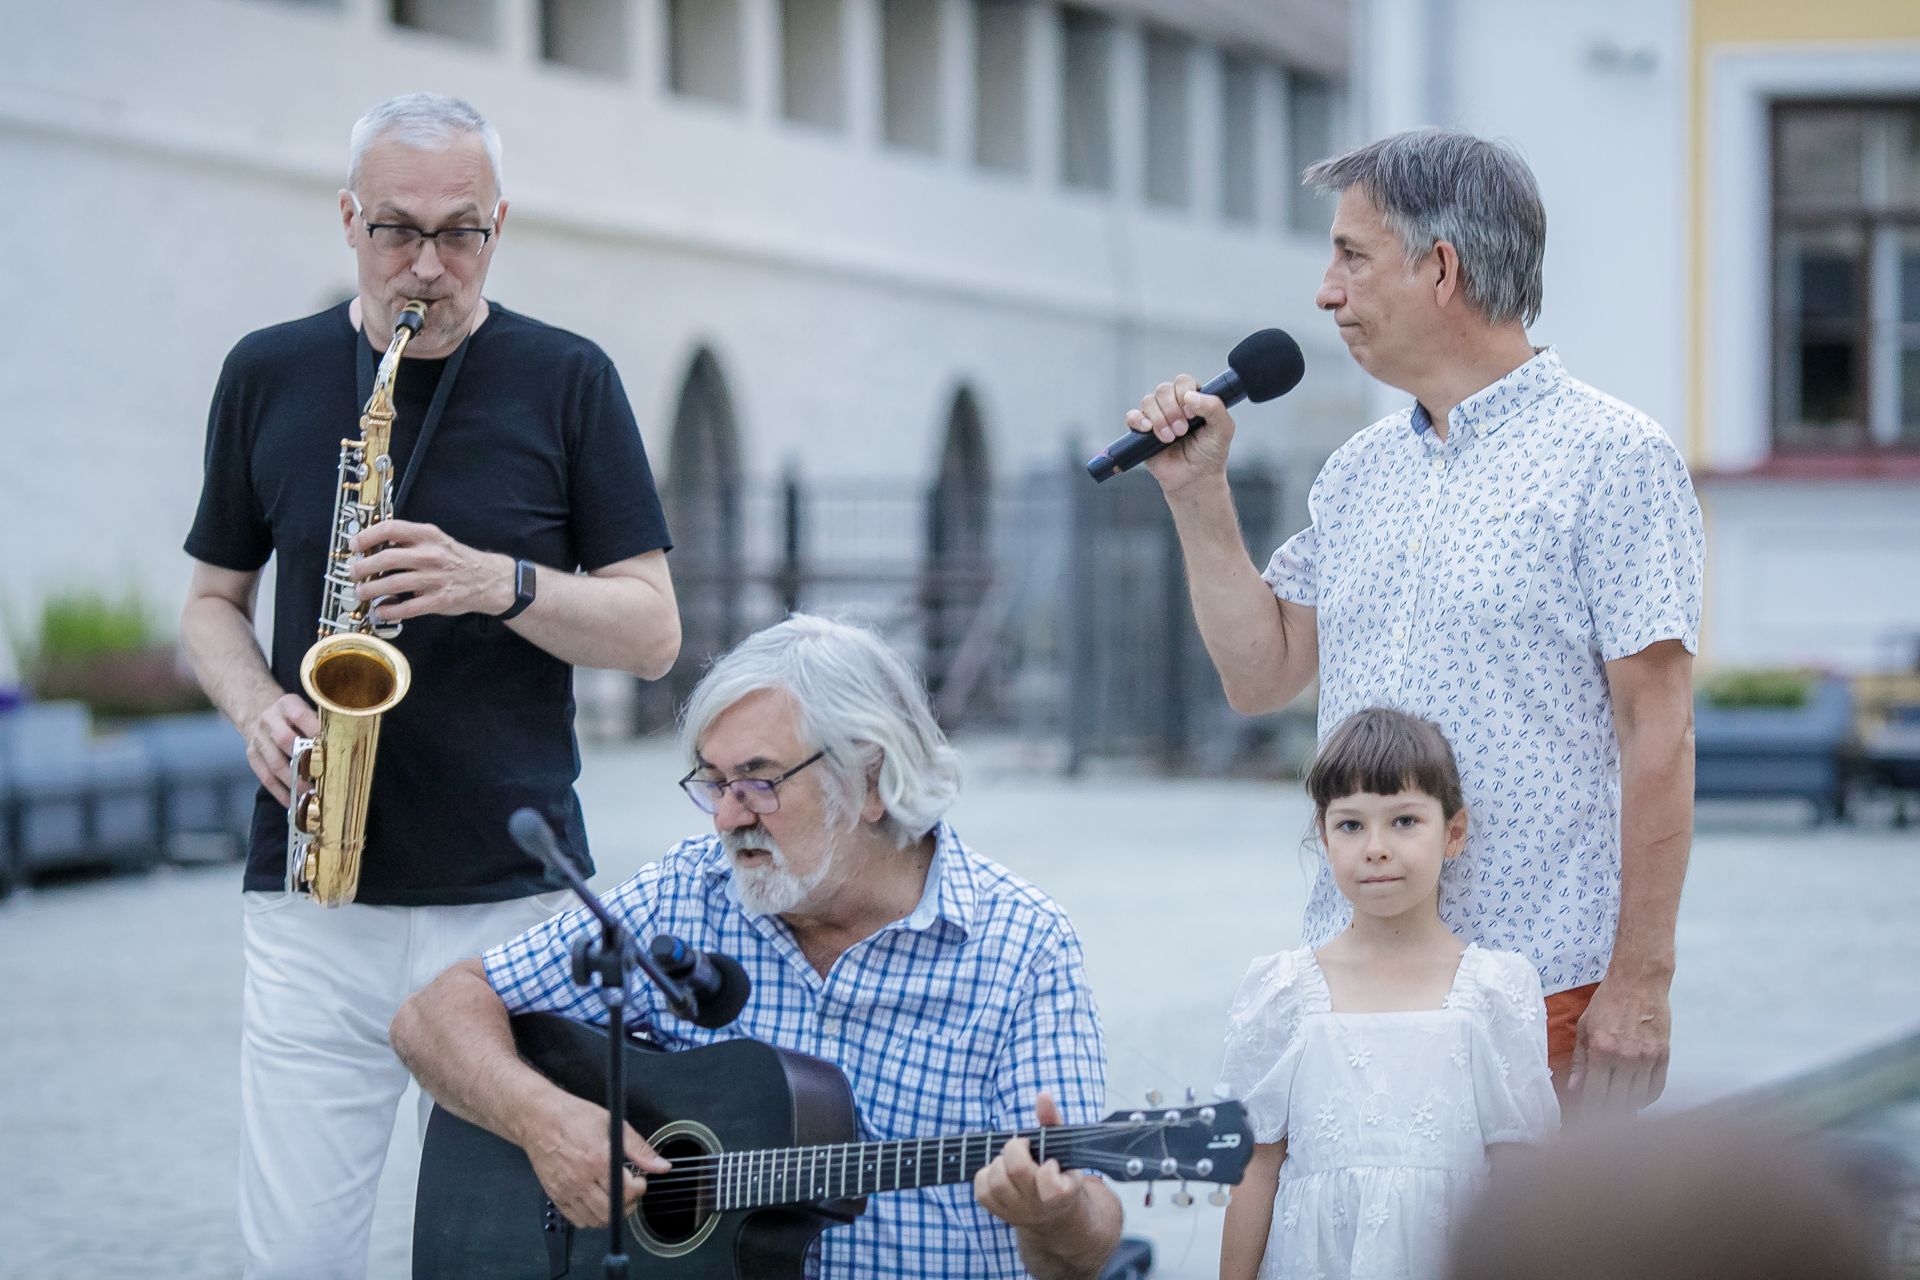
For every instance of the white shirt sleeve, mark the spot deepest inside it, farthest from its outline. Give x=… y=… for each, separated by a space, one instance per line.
x=1263 y=1045
x=1512 y=1088
x=1640 y=553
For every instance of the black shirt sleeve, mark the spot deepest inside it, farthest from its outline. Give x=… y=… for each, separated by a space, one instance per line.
x=230 y=529
x=615 y=513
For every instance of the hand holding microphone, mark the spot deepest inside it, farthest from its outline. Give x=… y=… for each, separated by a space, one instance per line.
x=1264 y=366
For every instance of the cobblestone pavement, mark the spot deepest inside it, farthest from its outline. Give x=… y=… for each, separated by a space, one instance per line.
x=118 y=1062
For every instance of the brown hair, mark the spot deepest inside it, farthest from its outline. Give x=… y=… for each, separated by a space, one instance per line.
x=1384 y=752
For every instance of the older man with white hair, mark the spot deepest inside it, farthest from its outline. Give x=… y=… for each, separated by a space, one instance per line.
x=948 y=990
x=1513 y=555
x=516 y=462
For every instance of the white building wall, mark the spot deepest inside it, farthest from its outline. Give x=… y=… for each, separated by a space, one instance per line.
x=1815 y=573
x=1595 y=98
x=173 y=174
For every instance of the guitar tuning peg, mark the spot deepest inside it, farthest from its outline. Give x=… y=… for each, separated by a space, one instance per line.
x=1182 y=1198
x=1153 y=1097
x=1148 y=1202
x=1218 y=1198
x=1190 y=1097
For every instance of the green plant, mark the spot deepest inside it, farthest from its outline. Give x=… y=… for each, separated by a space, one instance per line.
x=108 y=653
x=82 y=624
x=1760 y=687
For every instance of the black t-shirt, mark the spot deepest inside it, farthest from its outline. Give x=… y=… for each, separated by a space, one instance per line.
x=537 y=456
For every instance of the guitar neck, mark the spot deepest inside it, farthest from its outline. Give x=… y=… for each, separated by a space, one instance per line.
x=790 y=1175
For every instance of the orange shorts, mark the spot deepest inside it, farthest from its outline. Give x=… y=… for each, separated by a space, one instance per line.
x=1564 y=1011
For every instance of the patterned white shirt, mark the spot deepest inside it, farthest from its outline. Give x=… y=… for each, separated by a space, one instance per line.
x=949 y=1021
x=1483 y=581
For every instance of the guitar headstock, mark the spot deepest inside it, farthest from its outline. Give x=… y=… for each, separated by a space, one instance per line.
x=1210 y=1143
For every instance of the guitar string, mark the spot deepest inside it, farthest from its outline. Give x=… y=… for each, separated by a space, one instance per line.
x=1154 y=1124
x=675 y=1188
x=682 y=1174
x=677 y=1198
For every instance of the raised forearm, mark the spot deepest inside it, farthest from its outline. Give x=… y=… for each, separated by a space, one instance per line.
x=1080 y=1247
x=1263 y=662
x=617 y=622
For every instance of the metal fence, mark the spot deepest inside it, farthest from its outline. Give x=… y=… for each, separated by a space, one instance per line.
x=1048 y=606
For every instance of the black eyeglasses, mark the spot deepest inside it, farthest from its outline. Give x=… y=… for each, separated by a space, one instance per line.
x=758 y=795
x=398 y=237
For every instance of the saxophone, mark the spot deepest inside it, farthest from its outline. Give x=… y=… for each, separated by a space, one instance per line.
x=352 y=673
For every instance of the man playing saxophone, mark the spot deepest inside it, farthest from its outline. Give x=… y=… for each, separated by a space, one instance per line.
x=515 y=461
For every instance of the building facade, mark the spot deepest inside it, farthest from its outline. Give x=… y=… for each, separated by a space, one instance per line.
x=898 y=240
x=1733 y=201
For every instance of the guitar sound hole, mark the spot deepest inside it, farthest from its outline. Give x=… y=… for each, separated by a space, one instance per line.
x=682 y=1206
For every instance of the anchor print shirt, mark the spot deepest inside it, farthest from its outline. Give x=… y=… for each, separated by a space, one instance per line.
x=1483 y=581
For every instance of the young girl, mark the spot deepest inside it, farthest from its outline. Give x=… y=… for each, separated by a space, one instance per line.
x=1381 y=1071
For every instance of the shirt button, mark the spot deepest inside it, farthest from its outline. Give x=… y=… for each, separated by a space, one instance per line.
x=1438 y=463
x=1415 y=546
x=1399 y=635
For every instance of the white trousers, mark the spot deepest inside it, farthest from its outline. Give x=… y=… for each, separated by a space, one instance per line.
x=319 y=1084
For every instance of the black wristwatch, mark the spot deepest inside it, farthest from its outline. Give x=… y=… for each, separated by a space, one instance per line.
x=522 y=590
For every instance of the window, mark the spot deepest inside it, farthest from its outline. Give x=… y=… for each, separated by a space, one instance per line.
x=1168 y=153
x=469 y=21
x=588 y=35
x=810 y=62
x=1000 y=84
x=1846 y=275
x=1086 y=107
x=703 y=49
x=1239 y=163
x=910 y=92
x=1311 y=103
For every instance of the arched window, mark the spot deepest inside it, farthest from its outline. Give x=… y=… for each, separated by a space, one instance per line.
x=702 y=498
x=959 y=554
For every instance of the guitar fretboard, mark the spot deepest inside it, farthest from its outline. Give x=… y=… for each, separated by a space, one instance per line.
x=788 y=1175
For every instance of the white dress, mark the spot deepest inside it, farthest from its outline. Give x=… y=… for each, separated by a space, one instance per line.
x=1387 y=1116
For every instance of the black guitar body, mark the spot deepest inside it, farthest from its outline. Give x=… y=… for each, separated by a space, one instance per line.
x=480 y=1213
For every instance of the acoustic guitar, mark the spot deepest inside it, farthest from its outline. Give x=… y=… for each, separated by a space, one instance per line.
x=766 y=1155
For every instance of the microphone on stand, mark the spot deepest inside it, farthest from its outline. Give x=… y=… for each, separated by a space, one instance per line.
x=707 y=988
x=716 y=981
x=1264 y=366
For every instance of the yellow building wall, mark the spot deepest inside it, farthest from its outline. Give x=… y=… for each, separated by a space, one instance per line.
x=1759 y=22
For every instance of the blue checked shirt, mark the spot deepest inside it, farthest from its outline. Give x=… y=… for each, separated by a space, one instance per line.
x=949 y=1021
x=1484 y=581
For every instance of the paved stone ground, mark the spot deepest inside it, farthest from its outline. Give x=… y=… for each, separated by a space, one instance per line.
x=119 y=1019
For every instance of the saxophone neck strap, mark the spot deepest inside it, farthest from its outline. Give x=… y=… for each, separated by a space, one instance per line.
x=435 y=407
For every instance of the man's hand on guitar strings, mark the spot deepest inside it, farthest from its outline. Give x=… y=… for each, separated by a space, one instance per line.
x=569 y=1154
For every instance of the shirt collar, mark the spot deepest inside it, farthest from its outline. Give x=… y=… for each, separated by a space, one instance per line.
x=949 y=894
x=1498 y=402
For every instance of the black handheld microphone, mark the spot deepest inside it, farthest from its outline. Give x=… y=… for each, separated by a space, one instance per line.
x=1264 y=366
x=716 y=981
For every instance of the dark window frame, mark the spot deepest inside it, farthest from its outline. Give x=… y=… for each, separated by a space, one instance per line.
x=1796 y=439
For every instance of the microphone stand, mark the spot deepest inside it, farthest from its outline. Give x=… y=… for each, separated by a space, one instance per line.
x=610 y=960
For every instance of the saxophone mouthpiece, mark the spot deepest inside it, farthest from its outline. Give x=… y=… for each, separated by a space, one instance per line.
x=410 y=318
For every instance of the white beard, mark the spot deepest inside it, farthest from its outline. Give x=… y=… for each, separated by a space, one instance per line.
x=772 y=889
